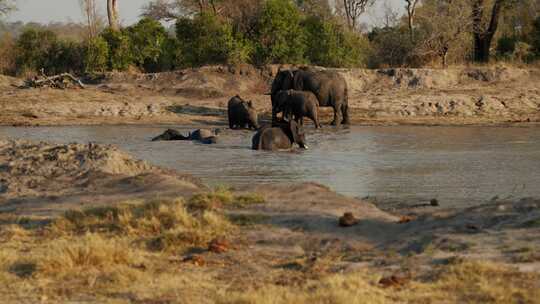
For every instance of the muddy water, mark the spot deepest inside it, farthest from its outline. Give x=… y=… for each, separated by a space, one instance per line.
x=458 y=165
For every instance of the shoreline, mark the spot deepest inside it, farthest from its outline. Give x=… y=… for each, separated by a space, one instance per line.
x=166 y=226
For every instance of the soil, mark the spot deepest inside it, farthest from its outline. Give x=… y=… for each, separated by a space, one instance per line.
x=456 y=96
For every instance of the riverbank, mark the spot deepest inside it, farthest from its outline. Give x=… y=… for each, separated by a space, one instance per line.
x=457 y=96
x=91 y=223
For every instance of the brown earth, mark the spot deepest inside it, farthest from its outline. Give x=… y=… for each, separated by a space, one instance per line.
x=455 y=96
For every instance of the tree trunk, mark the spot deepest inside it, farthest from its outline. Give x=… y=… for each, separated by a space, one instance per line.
x=112 y=13
x=482 y=36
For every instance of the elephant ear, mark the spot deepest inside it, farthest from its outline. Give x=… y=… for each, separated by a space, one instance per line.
x=294 y=131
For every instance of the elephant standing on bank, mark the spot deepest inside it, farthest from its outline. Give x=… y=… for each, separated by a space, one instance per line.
x=281 y=137
x=330 y=88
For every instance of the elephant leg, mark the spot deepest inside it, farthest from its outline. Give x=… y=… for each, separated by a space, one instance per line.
x=345 y=114
x=336 y=121
x=315 y=119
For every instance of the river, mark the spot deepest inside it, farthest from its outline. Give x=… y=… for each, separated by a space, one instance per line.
x=460 y=166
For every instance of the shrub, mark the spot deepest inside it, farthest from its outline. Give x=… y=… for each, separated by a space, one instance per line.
x=204 y=40
x=64 y=56
x=536 y=37
x=506 y=46
x=392 y=47
x=280 y=36
x=330 y=44
x=96 y=55
x=147 y=38
x=120 y=51
x=32 y=48
x=7 y=55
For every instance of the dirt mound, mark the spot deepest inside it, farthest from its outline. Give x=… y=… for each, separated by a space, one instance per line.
x=79 y=172
x=205 y=82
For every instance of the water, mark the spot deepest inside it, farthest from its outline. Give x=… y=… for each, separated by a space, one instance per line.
x=461 y=165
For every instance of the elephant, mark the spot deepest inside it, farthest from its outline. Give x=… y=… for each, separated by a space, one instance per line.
x=329 y=87
x=279 y=138
x=242 y=114
x=204 y=136
x=297 y=104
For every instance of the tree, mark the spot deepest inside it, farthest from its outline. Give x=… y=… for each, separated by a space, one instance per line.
x=484 y=27
x=444 y=23
x=280 y=36
x=6 y=6
x=112 y=13
x=411 y=11
x=93 y=19
x=204 y=39
x=353 y=9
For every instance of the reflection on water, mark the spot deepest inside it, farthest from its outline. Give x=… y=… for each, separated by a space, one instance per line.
x=462 y=165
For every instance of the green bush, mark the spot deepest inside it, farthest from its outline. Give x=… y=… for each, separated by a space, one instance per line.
x=120 y=51
x=205 y=39
x=64 y=56
x=392 y=47
x=331 y=44
x=32 y=48
x=280 y=35
x=147 y=39
x=96 y=55
x=506 y=46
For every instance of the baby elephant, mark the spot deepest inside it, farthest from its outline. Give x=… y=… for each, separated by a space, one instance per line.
x=279 y=138
x=298 y=104
x=242 y=114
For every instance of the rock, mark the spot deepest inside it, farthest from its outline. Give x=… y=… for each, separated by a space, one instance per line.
x=348 y=220
x=219 y=245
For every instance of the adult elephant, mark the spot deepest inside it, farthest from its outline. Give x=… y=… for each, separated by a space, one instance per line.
x=330 y=88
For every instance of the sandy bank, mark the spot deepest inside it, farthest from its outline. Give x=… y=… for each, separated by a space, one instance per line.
x=153 y=239
x=495 y=95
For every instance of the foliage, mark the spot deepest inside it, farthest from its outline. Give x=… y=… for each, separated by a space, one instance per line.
x=33 y=49
x=392 y=47
x=96 y=55
x=205 y=39
x=147 y=39
x=7 y=54
x=280 y=36
x=506 y=46
x=331 y=44
x=535 y=39
x=120 y=51
x=64 y=56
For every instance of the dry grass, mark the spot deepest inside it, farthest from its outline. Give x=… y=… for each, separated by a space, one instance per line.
x=134 y=253
x=465 y=282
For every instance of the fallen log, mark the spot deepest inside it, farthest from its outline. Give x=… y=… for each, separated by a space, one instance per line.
x=59 y=81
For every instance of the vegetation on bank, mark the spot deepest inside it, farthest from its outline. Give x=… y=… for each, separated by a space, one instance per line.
x=272 y=31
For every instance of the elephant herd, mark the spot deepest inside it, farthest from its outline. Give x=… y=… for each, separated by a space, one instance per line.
x=295 y=94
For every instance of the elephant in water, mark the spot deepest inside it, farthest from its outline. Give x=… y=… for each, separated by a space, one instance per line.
x=329 y=87
x=281 y=137
x=297 y=104
x=242 y=114
x=204 y=136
